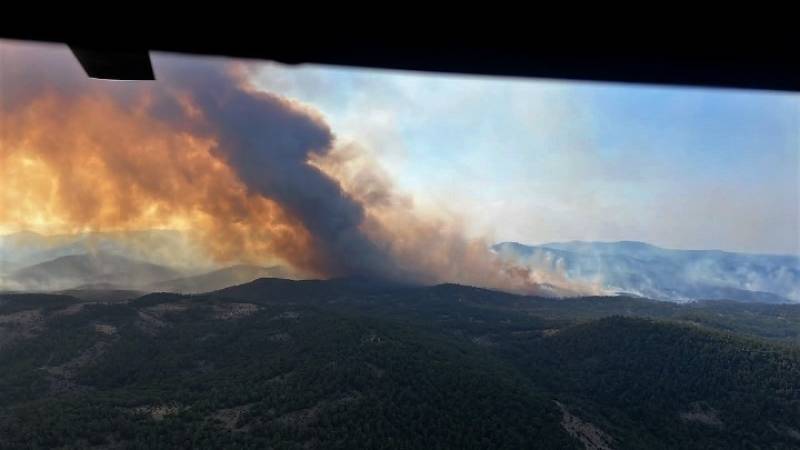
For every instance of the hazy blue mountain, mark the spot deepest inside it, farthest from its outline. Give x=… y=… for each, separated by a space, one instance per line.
x=218 y=279
x=642 y=269
x=95 y=269
x=163 y=247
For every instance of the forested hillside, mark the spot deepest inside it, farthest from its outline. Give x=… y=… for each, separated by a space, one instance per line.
x=358 y=363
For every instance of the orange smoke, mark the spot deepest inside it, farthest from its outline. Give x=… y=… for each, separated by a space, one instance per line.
x=88 y=164
x=251 y=176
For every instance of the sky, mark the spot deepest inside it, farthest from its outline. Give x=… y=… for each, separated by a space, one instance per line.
x=538 y=161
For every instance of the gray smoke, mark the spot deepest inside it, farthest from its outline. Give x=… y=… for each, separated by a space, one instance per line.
x=268 y=141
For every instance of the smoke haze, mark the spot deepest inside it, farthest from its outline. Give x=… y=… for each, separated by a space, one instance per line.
x=252 y=176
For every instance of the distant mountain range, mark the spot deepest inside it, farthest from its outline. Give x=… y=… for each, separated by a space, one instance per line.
x=164 y=260
x=90 y=271
x=106 y=272
x=641 y=269
x=218 y=279
x=148 y=260
x=164 y=247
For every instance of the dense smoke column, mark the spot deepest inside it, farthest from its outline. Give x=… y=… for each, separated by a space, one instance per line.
x=268 y=141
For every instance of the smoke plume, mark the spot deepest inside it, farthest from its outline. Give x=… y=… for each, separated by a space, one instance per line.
x=255 y=177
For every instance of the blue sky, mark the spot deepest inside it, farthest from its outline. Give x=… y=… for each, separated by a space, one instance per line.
x=539 y=161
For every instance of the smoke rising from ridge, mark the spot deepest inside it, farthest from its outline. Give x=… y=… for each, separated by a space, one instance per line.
x=253 y=176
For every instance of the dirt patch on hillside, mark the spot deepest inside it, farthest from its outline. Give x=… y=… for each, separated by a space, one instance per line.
x=703 y=414
x=158 y=412
x=232 y=311
x=371 y=338
x=105 y=329
x=228 y=418
x=149 y=324
x=280 y=337
x=484 y=341
x=590 y=436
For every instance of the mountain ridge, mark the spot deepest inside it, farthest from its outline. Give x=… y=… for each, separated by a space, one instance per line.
x=646 y=270
x=220 y=278
x=73 y=271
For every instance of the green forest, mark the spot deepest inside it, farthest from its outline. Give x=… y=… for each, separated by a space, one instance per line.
x=356 y=363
